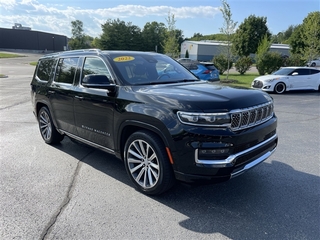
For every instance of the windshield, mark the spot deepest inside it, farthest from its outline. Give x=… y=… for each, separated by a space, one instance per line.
x=283 y=71
x=149 y=68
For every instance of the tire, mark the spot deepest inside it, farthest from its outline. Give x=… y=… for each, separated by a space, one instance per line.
x=147 y=164
x=47 y=129
x=313 y=64
x=280 y=88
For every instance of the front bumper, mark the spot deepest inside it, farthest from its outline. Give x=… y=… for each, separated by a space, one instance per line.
x=256 y=84
x=246 y=149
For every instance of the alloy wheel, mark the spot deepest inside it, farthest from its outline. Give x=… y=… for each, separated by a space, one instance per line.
x=143 y=163
x=45 y=125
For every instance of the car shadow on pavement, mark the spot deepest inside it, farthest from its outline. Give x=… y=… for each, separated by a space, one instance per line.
x=272 y=201
x=298 y=92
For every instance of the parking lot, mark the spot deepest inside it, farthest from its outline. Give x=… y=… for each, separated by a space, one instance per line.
x=72 y=191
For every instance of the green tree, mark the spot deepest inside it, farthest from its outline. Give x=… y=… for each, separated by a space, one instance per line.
x=78 y=40
x=305 y=39
x=311 y=27
x=296 y=41
x=171 y=44
x=263 y=47
x=197 y=37
x=119 y=35
x=248 y=35
x=227 y=29
x=283 y=37
x=269 y=62
x=153 y=34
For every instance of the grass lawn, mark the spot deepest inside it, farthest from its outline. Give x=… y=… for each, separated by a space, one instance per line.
x=10 y=55
x=235 y=79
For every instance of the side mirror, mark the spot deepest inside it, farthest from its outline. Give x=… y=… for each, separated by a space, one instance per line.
x=294 y=74
x=97 y=81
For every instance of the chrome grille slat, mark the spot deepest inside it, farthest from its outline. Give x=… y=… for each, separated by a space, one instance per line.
x=245 y=118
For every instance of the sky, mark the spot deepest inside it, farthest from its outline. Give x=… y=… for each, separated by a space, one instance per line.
x=192 y=16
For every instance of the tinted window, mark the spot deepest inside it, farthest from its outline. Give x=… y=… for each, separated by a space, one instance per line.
x=314 y=71
x=302 y=71
x=44 y=69
x=210 y=66
x=95 y=66
x=66 y=70
x=283 y=71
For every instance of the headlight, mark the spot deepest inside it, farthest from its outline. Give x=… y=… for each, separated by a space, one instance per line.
x=205 y=119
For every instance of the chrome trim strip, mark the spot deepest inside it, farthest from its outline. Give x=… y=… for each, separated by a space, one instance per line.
x=228 y=161
x=87 y=142
x=252 y=164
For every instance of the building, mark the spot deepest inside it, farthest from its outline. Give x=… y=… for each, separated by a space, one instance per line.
x=206 y=50
x=23 y=38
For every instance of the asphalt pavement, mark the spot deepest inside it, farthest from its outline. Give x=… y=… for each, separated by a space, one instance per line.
x=72 y=191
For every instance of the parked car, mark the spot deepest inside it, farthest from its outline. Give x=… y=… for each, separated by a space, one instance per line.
x=203 y=70
x=314 y=63
x=164 y=125
x=288 y=79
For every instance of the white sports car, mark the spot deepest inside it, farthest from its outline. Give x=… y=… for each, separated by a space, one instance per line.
x=289 y=78
x=314 y=63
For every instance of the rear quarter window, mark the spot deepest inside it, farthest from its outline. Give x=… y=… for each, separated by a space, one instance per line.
x=45 y=68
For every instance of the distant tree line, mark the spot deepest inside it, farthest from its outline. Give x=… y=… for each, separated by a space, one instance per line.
x=120 y=35
x=251 y=37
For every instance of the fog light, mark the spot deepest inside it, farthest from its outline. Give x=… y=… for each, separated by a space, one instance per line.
x=218 y=153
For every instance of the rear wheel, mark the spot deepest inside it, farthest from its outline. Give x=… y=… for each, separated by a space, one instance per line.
x=280 y=88
x=313 y=64
x=147 y=163
x=48 y=131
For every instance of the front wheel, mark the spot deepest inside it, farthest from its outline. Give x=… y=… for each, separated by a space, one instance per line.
x=313 y=64
x=147 y=163
x=48 y=131
x=280 y=88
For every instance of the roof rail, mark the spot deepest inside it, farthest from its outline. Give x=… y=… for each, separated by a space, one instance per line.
x=79 y=51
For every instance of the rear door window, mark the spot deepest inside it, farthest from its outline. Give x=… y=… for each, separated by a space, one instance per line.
x=66 y=70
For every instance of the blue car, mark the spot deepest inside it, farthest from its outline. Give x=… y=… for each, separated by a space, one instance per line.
x=203 y=70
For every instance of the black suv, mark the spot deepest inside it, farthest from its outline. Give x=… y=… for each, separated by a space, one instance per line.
x=151 y=112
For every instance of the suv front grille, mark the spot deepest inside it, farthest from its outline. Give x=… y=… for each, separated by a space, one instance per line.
x=250 y=117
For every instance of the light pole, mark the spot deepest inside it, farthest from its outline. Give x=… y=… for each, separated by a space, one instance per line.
x=53 y=48
x=156 y=31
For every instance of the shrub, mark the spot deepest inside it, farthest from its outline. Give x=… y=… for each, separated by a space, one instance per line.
x=221 y=63
x=187 y=54
x=294 y=60
x=269 y=62
x=243 y=64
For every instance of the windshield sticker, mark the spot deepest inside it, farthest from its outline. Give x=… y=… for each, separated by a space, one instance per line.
x=123 y=59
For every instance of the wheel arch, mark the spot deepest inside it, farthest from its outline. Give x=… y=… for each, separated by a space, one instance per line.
x=130 y=126
x=39 y=105
x=285 y=85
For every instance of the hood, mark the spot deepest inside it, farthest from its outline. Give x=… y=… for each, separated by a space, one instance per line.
x=268 y=77
x=202 y=96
